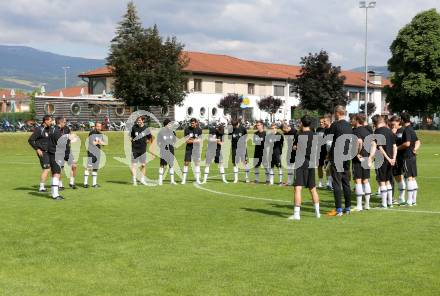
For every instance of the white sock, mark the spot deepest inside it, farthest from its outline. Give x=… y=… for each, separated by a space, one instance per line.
x=267 y=174
x=235 y=174
x=161 y=169
x=94 y=178
x=359 y=192
x=54 y=187
x=42 y=186
x=401 y=186
x=280 y=176
x=257 y=174
x=367 y=192
x=290 y=176
x=271 y=176
x=410 y=190
x=171 y=174
x=142 y=178
x=60 y=183
x=246 y=170
x=205 y=177
x=384 y=194
x=134 y=179
x=197 y=173
x=317 y=210
x=321 y=180
x=185 y=172
x=86 y=177
x=416 y=188
x=390 y=194
x=72 y=181
x=222 y=173
x=296 y=211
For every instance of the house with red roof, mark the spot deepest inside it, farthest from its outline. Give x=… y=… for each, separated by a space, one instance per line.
x=212 y=76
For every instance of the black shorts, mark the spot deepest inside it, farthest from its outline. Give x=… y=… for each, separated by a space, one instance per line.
x=54 y=165
x=192 y=153
x=359 y=172
x=139 y=156
x=276 y=159
x=237 y=158
x=93 y=160
x=384 y=172
x=290 y=158
x=216 y=156
x=167 y=156
x=410 y=167
x=44 y=160
x=305 y=177
x=322 y=157
x=398 y=167
x=69 y=159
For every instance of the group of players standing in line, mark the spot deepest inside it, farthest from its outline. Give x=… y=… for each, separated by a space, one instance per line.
x=398 y=151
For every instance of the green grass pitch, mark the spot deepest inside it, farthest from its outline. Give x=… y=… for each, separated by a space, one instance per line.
x=231 y=239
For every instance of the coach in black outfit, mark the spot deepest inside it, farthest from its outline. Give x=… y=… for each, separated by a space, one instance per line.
x=39 y=141
x=341 y=180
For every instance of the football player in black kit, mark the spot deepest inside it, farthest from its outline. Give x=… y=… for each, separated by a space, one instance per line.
x=96 y=141
x=69 y=158
x=274 y=144
x=341 y=179
x=39 y=141
x=140 y=136
x=410 y=145
x=397 y=130
x=290 y=135
x=258 y=140
x=389 y=152
x=56 y=151
x=193 y=134
x=239 y=152
x=213 y=151
x=166 y=139
x=305 y=171
x=362 y=162
x=322 y=130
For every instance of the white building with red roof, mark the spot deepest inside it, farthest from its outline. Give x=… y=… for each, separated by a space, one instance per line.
x=212 y=76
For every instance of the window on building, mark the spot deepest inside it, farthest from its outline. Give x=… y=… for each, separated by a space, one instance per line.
x=75 y=109
x=197 y=85
x=353 y=95
x=251 y=88
x=185 y=85
x=164 y=111
x=189 y=111
x=120 y=111
x=96 y=109
x=214 y=111
x=98 y=85
x=49 y=108
x=202 y=112
x=219 y=87
x=278 y=90
x=292 y=92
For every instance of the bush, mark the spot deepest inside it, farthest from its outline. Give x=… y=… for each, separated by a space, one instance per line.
x=16 y=116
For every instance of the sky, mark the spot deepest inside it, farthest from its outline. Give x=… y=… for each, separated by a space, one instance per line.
x=278 y=31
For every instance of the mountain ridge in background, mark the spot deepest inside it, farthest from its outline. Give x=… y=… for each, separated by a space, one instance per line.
x=26 y=68
x=379 y=69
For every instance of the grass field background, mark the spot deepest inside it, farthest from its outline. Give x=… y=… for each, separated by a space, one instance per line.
x=183 y=240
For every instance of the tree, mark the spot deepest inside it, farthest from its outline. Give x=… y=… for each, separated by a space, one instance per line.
x=231 y=104
x=270 y=105
x=415 y=65
x=320 y=85
x=371 y=108
x=147 y=69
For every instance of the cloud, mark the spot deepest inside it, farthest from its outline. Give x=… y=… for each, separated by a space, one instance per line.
x=268 y=30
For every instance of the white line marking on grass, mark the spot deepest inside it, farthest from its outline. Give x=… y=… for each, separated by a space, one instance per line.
x=239 y=195
x=289 y=202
